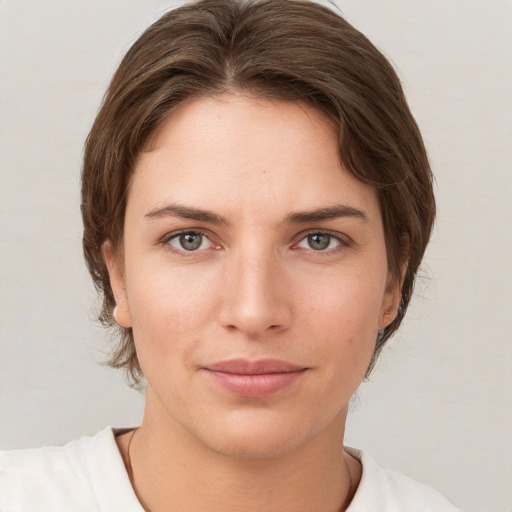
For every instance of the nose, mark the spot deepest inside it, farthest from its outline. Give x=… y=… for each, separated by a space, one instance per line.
x=256 y=299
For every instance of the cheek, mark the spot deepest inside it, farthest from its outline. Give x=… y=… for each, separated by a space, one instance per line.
x=347 y=302
x=343 y=318
x=170 y=310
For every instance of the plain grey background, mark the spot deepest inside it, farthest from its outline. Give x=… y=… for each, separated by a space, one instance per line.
x=438 y=407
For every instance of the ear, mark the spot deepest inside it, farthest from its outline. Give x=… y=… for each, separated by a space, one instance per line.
x=393 y=293
x=390 y=303
x=121 y=311
x=391 y=299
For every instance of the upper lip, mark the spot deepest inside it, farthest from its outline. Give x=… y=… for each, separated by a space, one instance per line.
x=258 y=367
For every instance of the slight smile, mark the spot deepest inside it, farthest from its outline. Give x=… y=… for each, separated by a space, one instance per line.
x=254 y=379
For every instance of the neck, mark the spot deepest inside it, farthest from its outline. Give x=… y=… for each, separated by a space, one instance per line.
x=173 y=471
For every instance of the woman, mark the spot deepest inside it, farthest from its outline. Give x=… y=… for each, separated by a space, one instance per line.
x=256 y=200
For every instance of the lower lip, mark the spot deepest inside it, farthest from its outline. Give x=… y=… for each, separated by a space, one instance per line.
x=255 y=385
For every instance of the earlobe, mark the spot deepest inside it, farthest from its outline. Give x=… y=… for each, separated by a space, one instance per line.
x=393 y=293
x=121 y=312
x=387 y=316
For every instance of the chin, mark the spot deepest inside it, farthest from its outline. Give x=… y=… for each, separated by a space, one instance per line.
x=256 y=436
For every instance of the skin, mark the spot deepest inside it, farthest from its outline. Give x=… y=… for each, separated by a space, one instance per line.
x=255 y=288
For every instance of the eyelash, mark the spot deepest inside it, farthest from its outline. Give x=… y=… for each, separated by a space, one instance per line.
x=176 y=234
x=343 y=240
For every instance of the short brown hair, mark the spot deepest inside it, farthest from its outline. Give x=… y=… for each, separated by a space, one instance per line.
x=279 y=49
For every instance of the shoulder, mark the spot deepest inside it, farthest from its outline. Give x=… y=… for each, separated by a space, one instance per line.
x=389 y=491
x=69 y=477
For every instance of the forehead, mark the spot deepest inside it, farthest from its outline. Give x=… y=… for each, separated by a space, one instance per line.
x=246 y=153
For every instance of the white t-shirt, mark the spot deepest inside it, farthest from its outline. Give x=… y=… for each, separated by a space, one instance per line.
x=88 y=475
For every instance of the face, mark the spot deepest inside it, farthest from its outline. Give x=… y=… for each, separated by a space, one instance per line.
x=254 y=276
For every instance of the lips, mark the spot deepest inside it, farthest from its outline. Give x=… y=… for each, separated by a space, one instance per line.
x=254 y=379
x=245 y=367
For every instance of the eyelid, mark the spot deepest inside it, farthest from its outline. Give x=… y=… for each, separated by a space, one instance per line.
x=342 y=238
x=178 y=232
x=174 y=234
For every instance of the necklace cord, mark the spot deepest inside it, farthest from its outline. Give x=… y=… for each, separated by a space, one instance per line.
x=130 y=473
x=128 y=458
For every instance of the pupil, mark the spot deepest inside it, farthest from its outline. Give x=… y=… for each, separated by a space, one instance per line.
x=190 y=241
x=318 y=241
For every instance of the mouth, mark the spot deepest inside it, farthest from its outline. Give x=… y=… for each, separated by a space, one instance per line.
x=254 y=379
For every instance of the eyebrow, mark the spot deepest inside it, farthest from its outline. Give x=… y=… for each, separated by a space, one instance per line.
x=322 y=214
x=319 y=215
x=186 y=212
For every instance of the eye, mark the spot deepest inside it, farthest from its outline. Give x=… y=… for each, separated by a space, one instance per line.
x=319 y=241
x=189 y=241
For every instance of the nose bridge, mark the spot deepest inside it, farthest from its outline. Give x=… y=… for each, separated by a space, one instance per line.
x=255 y=299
